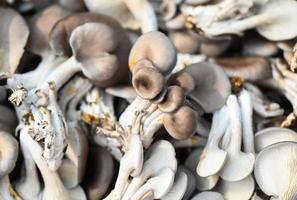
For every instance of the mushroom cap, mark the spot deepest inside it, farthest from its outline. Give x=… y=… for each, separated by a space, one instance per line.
x=282 y=26
x=208 y=196
x=173 y=99
x=95 y=53
x=242 y=189
x=182 y=123
x=182 y=79
x=212 y=86
x=155 y=47
x=148 y=82
x=9 y=150
x=184 y=41
x=273 y=135
x=8 y=121
x=73 y=5
x=41 y=25
x=99 y=174
x=14 y=34
x=250 y=68
x=275 y=170
x=216 y=46
x=202 y=183
x=61 y=33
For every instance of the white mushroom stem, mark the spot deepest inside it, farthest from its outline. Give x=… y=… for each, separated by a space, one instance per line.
x=247 y=123
x=47 y=63
x=53 y=186
x=29 y=186
x=144 y=13
x=213 y=158
x=239 y=165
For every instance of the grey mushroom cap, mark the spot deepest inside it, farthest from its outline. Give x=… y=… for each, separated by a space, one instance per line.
x=212 y=86
x=14 y=34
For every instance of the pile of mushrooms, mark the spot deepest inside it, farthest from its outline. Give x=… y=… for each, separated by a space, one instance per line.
x=148 y=99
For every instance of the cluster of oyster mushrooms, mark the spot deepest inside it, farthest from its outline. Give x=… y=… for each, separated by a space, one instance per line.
x=148 y=99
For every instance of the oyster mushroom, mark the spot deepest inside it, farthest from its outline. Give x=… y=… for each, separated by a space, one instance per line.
x=14 y=35
x=213 y=158
x=282 y=156
x=202 y=183
x=100 y=66
x=239 y=164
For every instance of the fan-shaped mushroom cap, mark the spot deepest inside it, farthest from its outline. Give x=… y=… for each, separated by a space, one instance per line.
x=182 y=79
x=215 y=46
x=9 y=150
x=184 y=41
x=242 y=189
x=41 y=26
x=61 y=33
x=258 y=46
x=273 y=135
x=208 y=196
x=250 y=68
x=173 y=99
x=73 y=5
x=212 y=86
x=148 y=82
x=282 y=26
x=202 y=183
x=182 y=123
x=155 y=47
x=275 y=170
x=13 y=38
x=99 y=174
x=95 y=54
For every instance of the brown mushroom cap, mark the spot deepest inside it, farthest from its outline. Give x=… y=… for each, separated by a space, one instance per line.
x=73 y=5
x=181 y=124
x=173 y=99
x=148 y=82
x=13 y=38
x=182 y=79
x=41 y=25
x=250 y=68
x=215 y=47
x=116 y=44
x=212 y=86
x=184 y=41
x=61 y=32
x=155 y=47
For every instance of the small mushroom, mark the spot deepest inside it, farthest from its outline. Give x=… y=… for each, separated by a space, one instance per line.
x=181 y=124
x=14 y=35
x=173 y=99
x=184 y=41
x=273 y=135
x=156 y=49
x=208 y=196
x=212 y=86
x=213 y=158
x=239 y=164
x=182 y=79
x=282 y=156
x=249 y=68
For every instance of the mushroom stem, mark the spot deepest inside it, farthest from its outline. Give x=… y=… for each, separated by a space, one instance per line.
x=247 y=116
x=6 y=190
x=213 y=158
x=61 y=74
